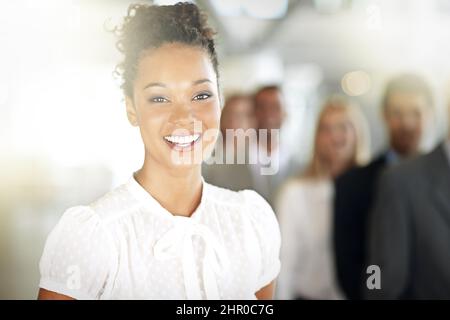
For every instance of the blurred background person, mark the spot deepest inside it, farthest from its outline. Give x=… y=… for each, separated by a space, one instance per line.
x=270 y=114
x=409 y=230
x=304 y=205
x=238 y=116
x=407 y=105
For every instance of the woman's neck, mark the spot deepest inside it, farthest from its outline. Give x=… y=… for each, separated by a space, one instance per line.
x=178 y=190
x=327 y=169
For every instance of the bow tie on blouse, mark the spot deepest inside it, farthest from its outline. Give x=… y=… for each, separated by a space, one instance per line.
x=177 y=243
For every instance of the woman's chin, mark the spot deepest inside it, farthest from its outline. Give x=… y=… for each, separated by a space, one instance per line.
x=185 y=158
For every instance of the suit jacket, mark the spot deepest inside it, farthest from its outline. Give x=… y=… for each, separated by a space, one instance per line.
x=353 y=199
x=231 y=176
x=242 y=176
x=410 y=230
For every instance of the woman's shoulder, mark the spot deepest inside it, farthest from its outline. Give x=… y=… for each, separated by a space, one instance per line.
x=76 y=218
x=245 y=202
x=88 y=226
x=104 y=210
x=78 y=244
x=114 y=204
x=234 y=198
x=79 y=222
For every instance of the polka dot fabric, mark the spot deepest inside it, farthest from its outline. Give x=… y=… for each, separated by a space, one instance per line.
x=127 y=246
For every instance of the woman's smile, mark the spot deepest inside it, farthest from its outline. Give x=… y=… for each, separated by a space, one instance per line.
x=182 y=142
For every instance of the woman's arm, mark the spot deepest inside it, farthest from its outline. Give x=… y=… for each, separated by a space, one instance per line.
x=50 y=295
x=266 y=293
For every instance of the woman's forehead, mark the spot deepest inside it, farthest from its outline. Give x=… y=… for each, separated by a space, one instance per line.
x=174 y=63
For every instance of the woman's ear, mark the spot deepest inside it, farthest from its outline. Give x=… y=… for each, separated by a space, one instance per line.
x=131 y=111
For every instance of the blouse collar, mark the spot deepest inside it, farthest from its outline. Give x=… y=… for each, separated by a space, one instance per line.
x=177 y=243
x=146 y=198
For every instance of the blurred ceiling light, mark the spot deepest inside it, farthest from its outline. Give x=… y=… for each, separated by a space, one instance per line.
x=260 y=9
x=328 y=6
x=169 y=2
x=356 y=83
x=246 y=72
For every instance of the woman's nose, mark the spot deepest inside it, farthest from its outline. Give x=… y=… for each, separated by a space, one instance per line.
x=182 y=112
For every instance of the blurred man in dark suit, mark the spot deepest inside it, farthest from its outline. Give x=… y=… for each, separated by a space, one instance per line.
x=407 y=104
x=410 y=229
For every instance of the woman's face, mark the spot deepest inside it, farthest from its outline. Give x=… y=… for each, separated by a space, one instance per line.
x=336 y=138
x=176 y=105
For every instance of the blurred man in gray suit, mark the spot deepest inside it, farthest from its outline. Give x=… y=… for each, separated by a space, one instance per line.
x=407 y=105
x=410 y=230
x=272 y=149
x=238 y=113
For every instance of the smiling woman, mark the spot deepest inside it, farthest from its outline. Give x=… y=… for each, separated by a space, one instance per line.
x=166 y=233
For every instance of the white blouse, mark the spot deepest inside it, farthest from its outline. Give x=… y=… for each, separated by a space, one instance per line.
x=127 y=246
x=304 y=208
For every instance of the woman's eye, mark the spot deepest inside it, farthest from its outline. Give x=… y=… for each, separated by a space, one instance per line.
x=202 y=96
x=158 y=100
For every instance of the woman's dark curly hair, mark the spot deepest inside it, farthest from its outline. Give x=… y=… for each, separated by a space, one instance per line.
x=150 y=26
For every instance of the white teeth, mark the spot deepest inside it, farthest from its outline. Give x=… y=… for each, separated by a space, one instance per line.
x=182 y=140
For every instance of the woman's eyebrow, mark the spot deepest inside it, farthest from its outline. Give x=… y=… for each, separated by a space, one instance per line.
x=160 y=84
x=197 y=82
x=155 y=84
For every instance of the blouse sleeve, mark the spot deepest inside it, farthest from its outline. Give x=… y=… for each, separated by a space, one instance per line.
x=77 y=256
x=268 y=233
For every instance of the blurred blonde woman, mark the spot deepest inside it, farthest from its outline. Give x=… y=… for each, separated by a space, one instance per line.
x=304 y=204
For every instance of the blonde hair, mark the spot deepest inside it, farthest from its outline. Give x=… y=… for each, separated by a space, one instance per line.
x=359 y=123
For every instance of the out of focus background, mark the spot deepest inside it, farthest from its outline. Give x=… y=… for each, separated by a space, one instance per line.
x=64 y=136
